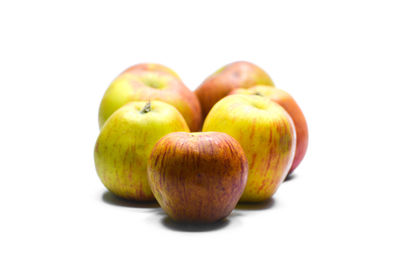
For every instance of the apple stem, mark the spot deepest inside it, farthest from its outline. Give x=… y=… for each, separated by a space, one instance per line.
x=258 y=93
x=146 y=108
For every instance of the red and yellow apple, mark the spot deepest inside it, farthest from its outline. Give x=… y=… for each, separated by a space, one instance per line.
x=267 y=135
x=289 y=104
x=146 y=82
x=237 y=74
x=125 y=142
x=197 y=177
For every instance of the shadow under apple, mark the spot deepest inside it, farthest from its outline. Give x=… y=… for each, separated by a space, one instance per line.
x=193 y=227
x=290 y=177
x=112 y=199
x=264 y=205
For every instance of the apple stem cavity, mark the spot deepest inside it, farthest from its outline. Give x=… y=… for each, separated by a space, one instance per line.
x=146 y=108
x=258 y=93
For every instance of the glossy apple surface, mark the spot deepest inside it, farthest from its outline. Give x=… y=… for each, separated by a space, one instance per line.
x=148 y=82
x=197 y=177
x=125 y=142
x=239 y=74
x=289 y=104
x=267 y=135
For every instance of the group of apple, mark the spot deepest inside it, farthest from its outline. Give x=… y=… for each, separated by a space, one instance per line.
x=150 y=146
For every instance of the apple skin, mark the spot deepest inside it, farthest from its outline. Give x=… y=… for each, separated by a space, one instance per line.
x=289 y=104
x=197 y=177
x=151 y=82
x=240 y=74
x=267 y=135
x=125 y=142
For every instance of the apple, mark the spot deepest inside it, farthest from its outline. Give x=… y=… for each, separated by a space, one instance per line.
x=197 y=177
x=267 y=135
x=289 y=104
x=145 y=82
x=237 y=74
x=125 y=142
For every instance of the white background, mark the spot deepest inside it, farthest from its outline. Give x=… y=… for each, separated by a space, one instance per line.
x=339 y=59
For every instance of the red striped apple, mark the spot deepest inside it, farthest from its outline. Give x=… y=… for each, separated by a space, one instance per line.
x=197 y=177
x=237 y=74
x=145 y=82
x=267 y=135
x=289 y=104
x=125 y=142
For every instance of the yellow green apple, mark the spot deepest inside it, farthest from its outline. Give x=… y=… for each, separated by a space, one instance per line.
x=290 y=105
x=197 y=177
x=145 y=82
x=125 y=142
x=237 y=74
x=267 y=135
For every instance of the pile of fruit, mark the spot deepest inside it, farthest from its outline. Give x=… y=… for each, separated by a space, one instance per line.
x=150 y=146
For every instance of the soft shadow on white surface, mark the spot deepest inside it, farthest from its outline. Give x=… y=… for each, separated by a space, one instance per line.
x=290 y=177
x=233 y=219
x=158 y=215
x=268 y=204
x=111 y=199
x=240 y=211
x=163 y=219
x=189 y=227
